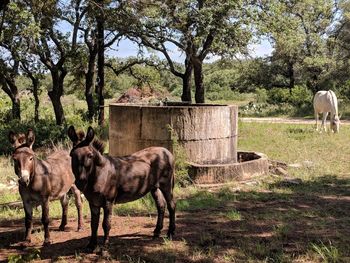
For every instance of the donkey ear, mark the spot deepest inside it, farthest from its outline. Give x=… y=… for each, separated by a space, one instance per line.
x=12 y=137
x=72 y=134
x=30 y=138
x=90 y=135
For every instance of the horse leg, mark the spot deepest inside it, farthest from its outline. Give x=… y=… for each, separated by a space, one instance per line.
x=45 y=220
x=64 y=204
x=95 y=218
x=106 y=224
x=316 y=118
x=324 y=119
x=28 y=210
x=79 y=206
x=160 y=202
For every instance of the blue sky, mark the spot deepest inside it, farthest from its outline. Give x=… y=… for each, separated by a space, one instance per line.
x=127 y=48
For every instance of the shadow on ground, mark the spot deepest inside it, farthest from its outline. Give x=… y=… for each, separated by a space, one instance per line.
x=281 y=224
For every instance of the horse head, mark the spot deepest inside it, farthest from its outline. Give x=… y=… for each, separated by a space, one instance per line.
x=335 y=124
x=23 y=155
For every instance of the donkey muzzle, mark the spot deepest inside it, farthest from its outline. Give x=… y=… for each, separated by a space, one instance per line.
x=24 y=177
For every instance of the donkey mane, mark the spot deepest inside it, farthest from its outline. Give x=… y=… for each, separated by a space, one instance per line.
x=99 y=145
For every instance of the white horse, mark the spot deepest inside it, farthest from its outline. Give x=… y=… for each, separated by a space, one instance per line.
x=324 y=102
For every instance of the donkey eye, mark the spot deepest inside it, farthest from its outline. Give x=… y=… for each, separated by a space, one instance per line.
x=90 y=155
x=31 y=159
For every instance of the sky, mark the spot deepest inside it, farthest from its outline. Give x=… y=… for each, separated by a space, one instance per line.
x=127 y=48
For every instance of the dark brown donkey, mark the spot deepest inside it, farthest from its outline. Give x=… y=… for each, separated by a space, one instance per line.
x=106 y=180
x=43 y=180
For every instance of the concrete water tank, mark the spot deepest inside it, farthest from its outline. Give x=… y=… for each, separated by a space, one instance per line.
x=207 y=132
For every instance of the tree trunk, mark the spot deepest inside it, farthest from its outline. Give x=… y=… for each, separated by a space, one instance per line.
x=10 y=88
x=35 y=83
x=100 y=63
x=37 y=101
x=186 y=84
x=55 y=95
x=89 y=85
x=291 y=77
x=16 y=108
x=198 y=80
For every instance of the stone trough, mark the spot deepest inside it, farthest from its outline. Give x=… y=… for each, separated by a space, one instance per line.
x=208 y=134
x=250 y=164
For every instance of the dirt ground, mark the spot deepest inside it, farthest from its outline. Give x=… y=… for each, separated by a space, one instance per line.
x=272 y=227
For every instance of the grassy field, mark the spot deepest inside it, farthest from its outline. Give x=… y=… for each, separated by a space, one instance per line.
x=265 y=220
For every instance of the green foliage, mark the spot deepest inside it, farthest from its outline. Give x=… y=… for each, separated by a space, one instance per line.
x=278 y=96
x=329 y=254
x=181 y=166
x=31 y=255
x=46 y=132
x=261 y=95
x=299 y=96
x=233 y=215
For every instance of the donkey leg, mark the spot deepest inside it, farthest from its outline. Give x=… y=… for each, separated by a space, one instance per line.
x=79 y=206
x=95 y=218
x=106 y=224
x=28 y=210
x=171 y=204
x=160 y=202
x=45 y=221
x=64 y=204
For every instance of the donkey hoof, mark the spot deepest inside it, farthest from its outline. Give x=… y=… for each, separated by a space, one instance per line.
x=61 y=228
x=170 y=235
x=91 y=247
x=156 y=235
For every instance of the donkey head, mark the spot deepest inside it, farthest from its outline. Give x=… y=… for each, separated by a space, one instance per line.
x=23 y=155
x=84 y=155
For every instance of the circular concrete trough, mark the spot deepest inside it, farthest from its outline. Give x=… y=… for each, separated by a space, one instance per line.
x=250 y=164
x=207 y=132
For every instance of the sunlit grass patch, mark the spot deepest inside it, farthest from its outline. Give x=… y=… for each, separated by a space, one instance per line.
x=200 y=200
x=233 y=215
x=326 y=252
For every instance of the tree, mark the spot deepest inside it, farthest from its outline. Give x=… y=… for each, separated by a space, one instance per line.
x=195 y=27
x=53 y=47
x=33 y=69
x=299 y=32
x=15 y=25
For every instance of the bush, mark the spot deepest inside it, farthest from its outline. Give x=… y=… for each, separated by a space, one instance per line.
x=278 y=96
x=261 y=95
x=46 y=132
x=301 y=96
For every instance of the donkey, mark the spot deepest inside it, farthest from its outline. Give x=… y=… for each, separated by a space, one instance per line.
x=43 y=180
x=106 y=180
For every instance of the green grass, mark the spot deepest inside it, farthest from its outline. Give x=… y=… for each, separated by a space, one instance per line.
x=264 y=222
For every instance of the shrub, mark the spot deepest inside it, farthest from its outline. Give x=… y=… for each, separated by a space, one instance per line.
x=261 y=95
x=278 y=95
x=300 y=96
x=181 y=166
